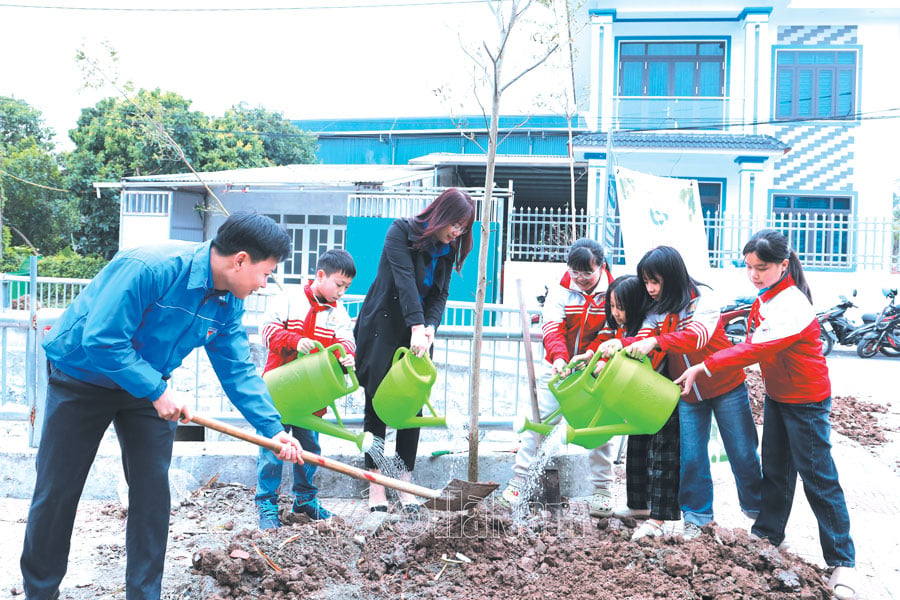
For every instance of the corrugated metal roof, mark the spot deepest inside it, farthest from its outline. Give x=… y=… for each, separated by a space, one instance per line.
x=295 y=174
x=420 y=125
x=684 y=141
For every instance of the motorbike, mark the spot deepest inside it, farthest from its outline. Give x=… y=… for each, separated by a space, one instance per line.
x=734 y=318
x=836 y=328
x=885 y=337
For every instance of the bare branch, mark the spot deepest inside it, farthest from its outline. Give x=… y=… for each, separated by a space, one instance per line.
x=531 y=68
x=149 y=121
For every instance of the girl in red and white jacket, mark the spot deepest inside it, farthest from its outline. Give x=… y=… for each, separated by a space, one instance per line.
x=796 y=426
x=683 y=322
x=573 y=318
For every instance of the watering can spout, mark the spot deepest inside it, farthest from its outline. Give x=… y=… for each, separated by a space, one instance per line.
x=362 y=440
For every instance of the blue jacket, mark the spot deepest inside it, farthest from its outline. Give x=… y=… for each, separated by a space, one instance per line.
x=144 y=313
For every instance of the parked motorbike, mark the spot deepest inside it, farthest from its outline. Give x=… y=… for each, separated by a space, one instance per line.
x=836 y=328
x=735 y=317
x=886 y=334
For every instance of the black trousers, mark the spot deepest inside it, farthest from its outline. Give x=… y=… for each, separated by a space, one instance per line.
x=407 y=439
x=78 y=415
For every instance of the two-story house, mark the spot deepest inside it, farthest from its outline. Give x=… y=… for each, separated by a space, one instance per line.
x=784 y=114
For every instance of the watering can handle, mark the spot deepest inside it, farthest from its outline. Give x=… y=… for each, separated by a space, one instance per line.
x=354 y=382
x=589 y=367
x=403 y=351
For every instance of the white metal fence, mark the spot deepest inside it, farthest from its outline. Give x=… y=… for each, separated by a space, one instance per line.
x=823 y=241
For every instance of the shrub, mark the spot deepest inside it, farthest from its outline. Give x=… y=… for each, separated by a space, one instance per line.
x=68 y=263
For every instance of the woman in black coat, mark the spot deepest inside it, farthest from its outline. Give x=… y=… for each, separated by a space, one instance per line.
x=404 y=306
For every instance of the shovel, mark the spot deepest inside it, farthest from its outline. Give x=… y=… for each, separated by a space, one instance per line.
x=457 y=495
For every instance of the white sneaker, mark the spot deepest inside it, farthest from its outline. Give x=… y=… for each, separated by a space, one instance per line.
x=649 y=528
x=691 y=531
x=633 y=513
x=843 y=583
x=514 y=493
x=602 y=503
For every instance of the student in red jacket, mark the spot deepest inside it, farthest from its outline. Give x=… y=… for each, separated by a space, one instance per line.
x=686 y=322
x=796 y=427
x=573 y=318
x=291 y=327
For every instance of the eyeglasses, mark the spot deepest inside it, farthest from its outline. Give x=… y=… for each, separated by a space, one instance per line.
x=458 y=229
x=583 y=274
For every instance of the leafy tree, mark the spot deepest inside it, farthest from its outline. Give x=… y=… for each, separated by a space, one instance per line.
x=282 y=142
x=155 y=132
x=35 y=206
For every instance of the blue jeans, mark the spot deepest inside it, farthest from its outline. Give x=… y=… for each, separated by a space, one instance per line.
x=738 y=434
x=77 y=416
x=796 y=439
x=268 y=469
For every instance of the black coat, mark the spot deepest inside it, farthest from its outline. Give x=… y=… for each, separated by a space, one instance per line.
x=392 y=305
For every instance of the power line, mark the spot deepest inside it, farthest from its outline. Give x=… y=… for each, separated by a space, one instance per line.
x=398 y=4
x=32 y=183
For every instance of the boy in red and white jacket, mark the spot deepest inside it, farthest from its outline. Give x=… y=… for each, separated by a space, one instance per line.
x=291 y=326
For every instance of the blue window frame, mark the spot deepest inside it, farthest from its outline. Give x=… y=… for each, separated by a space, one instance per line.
x=672 y=68
x=818 y=227
x=815 y=84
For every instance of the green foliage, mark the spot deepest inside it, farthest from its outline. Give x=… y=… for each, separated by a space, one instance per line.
x=13 y=256
x=69 y=264
x=282 y=142
x=34 y=202
x=20 y=122
x=156 y=133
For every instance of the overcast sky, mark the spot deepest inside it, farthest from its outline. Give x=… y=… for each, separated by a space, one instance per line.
x=375 y=59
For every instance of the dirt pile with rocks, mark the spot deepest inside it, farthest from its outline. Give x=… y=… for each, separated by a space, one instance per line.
x=855 y=419
x=490 y=553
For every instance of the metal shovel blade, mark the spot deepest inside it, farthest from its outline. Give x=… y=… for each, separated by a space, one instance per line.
x=461 y=495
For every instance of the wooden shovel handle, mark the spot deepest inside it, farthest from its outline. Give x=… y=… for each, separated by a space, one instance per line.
x=333 y=465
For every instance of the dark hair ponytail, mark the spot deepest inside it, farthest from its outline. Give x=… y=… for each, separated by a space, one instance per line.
x=772 y=246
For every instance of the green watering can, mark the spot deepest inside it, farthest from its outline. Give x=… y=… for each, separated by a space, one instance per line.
x=627 y=398
x=405 y=390
x=310 y=383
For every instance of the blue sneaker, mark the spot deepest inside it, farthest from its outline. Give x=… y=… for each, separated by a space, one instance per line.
x=268 y=515
x=312 y=508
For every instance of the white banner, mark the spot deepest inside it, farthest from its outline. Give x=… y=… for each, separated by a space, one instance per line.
x=661 y=211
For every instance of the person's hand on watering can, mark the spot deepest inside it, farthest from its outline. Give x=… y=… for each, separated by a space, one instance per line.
x=687 y=379
x=172 y=406
x=580 y=361
x=290 y=447
x=305 y=346
x=419 y=342
x=347 y=361
x=610 y=347
x=559 y=367
x=641 y=348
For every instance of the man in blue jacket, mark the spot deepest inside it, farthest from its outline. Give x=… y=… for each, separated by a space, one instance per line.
x=111 y=355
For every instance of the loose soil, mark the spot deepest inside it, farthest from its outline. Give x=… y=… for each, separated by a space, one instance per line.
x=215 y=551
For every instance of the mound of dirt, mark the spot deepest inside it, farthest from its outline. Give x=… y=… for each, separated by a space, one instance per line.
x=490 y=553
x=850 y=417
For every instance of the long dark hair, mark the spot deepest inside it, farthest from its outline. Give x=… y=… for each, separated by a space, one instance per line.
x=665 y=264
x=772 y=247
x=452 y=206
x=632 y=295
